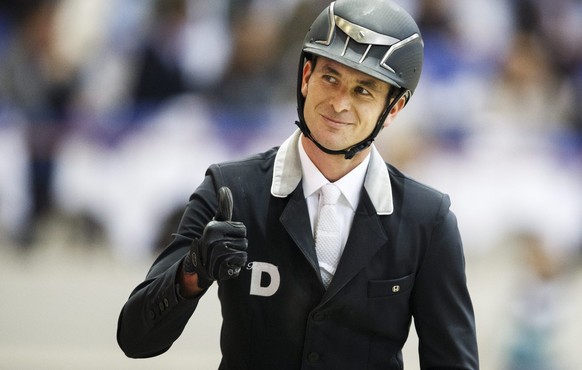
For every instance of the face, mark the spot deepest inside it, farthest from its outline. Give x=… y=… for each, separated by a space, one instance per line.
x=342 y=105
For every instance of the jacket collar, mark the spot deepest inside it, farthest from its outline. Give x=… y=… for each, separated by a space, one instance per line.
x=287 y=175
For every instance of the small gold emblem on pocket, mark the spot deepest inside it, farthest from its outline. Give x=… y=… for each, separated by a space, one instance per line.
x=395 y=288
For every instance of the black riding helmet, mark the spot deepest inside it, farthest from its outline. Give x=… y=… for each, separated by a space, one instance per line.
x=376 y=37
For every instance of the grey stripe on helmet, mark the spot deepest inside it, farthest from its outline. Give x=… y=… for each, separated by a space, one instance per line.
x=395 y=47
x=331 y=27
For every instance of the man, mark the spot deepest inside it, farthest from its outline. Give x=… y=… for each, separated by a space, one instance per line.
x=289 y=302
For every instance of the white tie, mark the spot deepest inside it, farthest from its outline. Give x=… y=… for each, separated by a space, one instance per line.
x=327 y=233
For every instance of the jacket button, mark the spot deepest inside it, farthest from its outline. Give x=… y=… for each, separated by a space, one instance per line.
x=313 y=357
x=152 y=314
x=166 y=302
x=162 y=307
x=318 y=316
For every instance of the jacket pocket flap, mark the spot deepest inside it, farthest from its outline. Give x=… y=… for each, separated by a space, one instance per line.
x=392 y=287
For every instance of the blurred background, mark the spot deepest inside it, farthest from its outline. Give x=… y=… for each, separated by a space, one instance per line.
x=110 y=112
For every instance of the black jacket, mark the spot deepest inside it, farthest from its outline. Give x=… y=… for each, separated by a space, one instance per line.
x=407 y=262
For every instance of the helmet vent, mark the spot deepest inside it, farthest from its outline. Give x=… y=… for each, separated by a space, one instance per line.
x=345 y=46
x=365 y=53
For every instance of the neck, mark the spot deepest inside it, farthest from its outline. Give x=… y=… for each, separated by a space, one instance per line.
x=332 y=166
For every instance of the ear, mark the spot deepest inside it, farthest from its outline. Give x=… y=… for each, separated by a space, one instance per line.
x=307 y=70
x=394 y=111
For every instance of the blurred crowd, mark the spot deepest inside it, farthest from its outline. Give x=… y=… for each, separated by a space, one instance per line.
x=110 y=111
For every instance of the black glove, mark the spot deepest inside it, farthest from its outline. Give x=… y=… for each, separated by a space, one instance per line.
x=220 y=253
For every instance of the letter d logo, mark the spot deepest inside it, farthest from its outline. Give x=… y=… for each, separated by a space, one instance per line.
x=258 y=269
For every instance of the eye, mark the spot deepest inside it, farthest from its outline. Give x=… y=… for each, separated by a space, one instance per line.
x=362 y=91
x=329 y=78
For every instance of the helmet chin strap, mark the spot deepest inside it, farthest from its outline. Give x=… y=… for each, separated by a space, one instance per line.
x=351 y=151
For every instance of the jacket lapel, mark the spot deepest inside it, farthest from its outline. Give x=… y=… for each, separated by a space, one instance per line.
x=366 y=238
x=295 y=219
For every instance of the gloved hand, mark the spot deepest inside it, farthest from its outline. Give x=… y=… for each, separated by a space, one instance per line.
x=220 y=253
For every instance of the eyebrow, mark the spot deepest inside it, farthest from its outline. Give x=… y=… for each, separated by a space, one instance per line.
x=368 y=83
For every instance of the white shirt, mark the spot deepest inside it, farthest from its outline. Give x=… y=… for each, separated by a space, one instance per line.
x=350 y=186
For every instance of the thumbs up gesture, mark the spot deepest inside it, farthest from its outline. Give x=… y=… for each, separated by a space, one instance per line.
x=220 y=253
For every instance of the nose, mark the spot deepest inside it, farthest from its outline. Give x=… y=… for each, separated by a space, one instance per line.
x=340 y=101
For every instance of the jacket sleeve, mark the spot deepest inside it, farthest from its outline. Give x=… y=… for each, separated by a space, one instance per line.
x=442 y=308
x=155 y=315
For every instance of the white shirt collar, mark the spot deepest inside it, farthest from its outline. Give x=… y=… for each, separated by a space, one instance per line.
x=287 y=173
x=350 y=185
x=313 y=179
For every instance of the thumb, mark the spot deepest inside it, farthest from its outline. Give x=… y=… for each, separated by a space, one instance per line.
x=224 y=211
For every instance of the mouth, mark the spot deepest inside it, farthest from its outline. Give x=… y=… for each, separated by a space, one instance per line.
x=334 y=122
